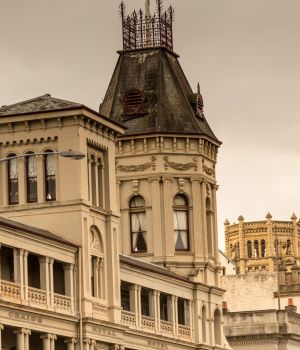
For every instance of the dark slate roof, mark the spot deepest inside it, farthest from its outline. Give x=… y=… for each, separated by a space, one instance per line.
x=168 y=96
x=39 y=104
x=34 y=230
x=151 y=267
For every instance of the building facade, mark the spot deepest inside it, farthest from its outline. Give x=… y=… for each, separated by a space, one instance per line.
x=118 y=250
x=263 y=245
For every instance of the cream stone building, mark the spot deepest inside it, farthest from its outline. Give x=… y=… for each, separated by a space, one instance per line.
x=262 y=299
x=117 y=250
x=263 y=245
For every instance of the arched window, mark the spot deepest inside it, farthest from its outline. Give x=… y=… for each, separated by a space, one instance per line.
x=138 y=225
x=31 y=177
x=256 y=249
x=249 y=249
x=97 y=277
x=13 y=180
x=209 y=225
x=217 y=326
x=263 y=248
x=181 y=223
x=203 y=324
x=50 y=180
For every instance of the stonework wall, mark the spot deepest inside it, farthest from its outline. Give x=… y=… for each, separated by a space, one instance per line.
x=250 y=292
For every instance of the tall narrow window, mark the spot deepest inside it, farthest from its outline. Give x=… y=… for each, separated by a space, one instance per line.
x=31 y=172
x=256 y=249
x=263 y=248
x=138 y=225
x=13 y=180
x=50 y=181
x=288 y=247
x=217 y=327
x=203 y=324
x=100 y=183
x=93 y=180
x=249 y=249
x=181 y=226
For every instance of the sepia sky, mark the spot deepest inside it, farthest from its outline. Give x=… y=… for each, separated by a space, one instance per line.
x=244 y=53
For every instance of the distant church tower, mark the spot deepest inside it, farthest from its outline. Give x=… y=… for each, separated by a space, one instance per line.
x=165 y=161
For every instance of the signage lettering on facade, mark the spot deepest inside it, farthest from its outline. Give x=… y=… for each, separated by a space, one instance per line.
x=104 y=331
x=25 y=317
x=157 y=344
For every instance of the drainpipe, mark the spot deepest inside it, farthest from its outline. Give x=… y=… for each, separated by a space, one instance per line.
x=80 y=297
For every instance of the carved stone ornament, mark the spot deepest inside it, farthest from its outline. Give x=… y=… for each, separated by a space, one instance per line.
x=181 y=183
x=209 y=171
x=181 y=166
x=135 y=186
x=136 y=168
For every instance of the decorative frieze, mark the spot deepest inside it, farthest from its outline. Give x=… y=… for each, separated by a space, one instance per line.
x=181 y=166
x=29 y=141
x=137 y=168
x=209 y=171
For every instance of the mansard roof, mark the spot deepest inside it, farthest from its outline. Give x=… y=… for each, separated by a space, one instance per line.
x=168 y=100
x=4 y=222
x=39 y=104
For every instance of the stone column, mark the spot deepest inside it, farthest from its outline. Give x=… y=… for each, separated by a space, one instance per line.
x=203 y=218
x=71 y=343
x=69 y=282
x=135 y=296
x=86 y=344
x=197 y=224
x=51 y=281
x=158 y=244
x=168 y=222
x=19 y=269
x=92 y=344
x=22 y=338
x=52 y=341
x=46 y=341
x=214 y=221
x=157 y=310
x=1 y=329
x=22 y=181
x=175 y=314
x=40 y=178
x=170 y=309
x=190 y=319
x=44 y=276
x=295 y=236
x=25 y=274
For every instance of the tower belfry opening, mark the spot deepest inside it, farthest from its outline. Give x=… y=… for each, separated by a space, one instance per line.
x=141 y=29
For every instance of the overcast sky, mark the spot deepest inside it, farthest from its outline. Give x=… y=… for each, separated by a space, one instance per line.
x=244 y=53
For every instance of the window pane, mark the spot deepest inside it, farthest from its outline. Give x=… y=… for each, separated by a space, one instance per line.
x=180 y=200
x=181 y=240
x=137 y=202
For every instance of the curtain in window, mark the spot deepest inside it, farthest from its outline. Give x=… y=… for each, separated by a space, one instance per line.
x=50 y=165
x=138 y=230
x=180 y=230
x=32 y=166
x=13 y=169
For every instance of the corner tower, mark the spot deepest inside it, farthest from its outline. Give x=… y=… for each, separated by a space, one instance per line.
x=166 y=160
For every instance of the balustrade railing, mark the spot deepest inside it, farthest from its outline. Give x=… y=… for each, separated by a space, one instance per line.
x=128 y=317
x=184 y=331
x=10 y=290
x=37 y=296
x=62 y=302
x=148 y=322
x=166 y=327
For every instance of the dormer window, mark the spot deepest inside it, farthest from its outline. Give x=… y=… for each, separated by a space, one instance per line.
x=134 y=103
x=199 y=105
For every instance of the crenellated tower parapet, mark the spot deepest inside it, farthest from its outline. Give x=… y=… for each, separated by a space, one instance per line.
x=263 y=245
